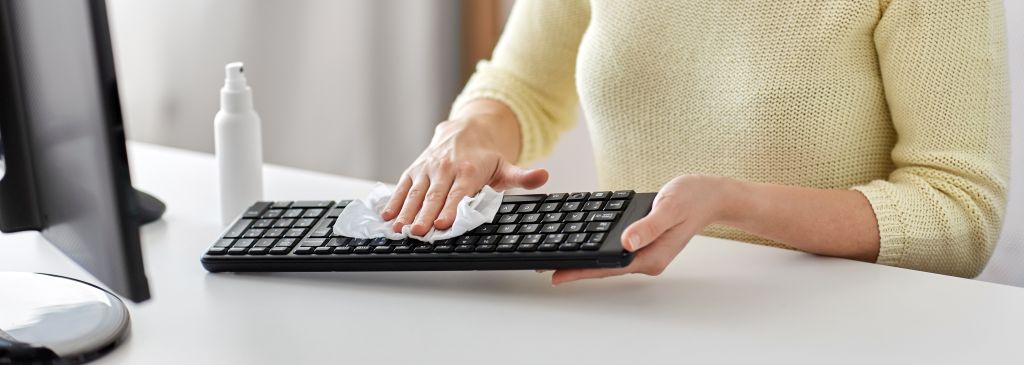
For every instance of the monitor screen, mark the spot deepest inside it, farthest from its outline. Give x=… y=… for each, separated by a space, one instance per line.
x=58 y=55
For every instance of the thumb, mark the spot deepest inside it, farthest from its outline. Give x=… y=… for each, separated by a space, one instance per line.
x=511 y=176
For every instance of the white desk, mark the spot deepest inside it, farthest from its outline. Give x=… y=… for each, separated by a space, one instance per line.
x=719 y=302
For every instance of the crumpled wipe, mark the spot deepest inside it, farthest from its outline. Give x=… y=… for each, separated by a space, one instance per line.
x=361 y=218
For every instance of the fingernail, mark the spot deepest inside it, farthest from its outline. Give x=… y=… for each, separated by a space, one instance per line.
x=634 y=241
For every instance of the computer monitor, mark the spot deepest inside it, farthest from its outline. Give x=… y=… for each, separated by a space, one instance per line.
x=63 y=139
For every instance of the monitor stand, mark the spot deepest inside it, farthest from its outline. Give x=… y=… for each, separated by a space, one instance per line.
x=48 y=319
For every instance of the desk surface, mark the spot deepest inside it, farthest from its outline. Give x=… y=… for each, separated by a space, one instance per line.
x=719 y=302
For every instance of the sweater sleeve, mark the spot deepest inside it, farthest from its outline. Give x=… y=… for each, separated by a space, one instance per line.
x=532 y=71
x=944 y=69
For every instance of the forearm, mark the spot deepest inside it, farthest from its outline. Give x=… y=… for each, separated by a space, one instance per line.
x=837 y=223
x=494 y=121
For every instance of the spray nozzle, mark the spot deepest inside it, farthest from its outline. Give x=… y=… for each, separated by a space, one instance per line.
x=234 y=76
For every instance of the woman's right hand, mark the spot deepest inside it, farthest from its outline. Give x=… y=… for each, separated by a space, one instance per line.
x=478 y=147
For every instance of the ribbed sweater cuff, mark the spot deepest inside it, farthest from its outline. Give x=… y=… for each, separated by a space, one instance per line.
x=893 y=239
x=489 y=83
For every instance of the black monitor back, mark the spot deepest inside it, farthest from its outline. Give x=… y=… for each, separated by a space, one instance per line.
x=63 y=140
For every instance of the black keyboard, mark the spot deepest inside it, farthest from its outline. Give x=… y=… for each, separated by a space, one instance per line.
x=534 y=231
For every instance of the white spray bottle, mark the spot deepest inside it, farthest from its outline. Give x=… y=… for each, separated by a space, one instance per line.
x=238 y=146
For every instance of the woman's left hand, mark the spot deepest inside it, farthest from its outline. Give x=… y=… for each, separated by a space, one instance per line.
x=682 y=208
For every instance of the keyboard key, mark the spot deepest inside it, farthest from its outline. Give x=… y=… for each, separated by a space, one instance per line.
x=223 y=243
x=506 y=247
x=488 y=240
x=262 y=223
x=362 y=249
x=258 y=251
x=485 y=248
x=295 y=232
x=571 y=206
x=238 y=228
x=508 y=218
x=253 y=233
x=335 y=212
x=549 y=207
x=423 y=249
x=312 y=204
x=285 y=242
x=379 y=241
x=273 y=213
x=622 y=194
x=343 y=203
x=464 y=248
x=506 y=228
x=615 y=204
x=577 y=238
x=591 y=246
x=486 y=229
x=281 y=204
x=304 y=250
x=600 y=195
x=343 y=250
x=237 y=251
x=551 y=228
x=577 y=196
x=284 y=223
x=313 y=213
x=217 y=251
x=292 y=213
x=280 y=250
x=274 y=232
x=468 y=240
x=553 y=217
x=527 y=208
x=568 y=247
x=596 y=237
x=531 y=218
x=304 y=222
x=403 y=249
x=526 y=247
x=337 y=241
x=510 y=239
x=602 y=216
x=527 y=198
x=555 y=238
x=547 y=247
x=359 y=242
x=598 y=226
x=256 y=210
x=573 y=227
x=244 y=243
x=506 y=208
x=556 y=196
x=443 y=248
x=312 y=242
x=529 y=228
x=382 y=249
x=264 y=242
x=533 y=238
x=575 y=216
x=323 y=250
x=592 y=205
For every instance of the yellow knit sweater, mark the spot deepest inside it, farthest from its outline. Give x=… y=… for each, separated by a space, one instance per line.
x=906 y=101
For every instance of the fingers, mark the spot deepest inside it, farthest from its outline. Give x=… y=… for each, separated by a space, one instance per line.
x=652 y=260
x=433 y=203
x=461 y=188
x=394 y=204
x=510 y=176
x=413 y=202
x=644 y=231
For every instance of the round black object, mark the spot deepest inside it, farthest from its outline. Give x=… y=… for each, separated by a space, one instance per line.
x=54 y=319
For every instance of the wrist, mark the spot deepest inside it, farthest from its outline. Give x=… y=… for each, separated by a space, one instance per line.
x=735 y=201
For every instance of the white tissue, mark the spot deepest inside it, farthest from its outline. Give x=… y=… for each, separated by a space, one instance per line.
x=361 y=218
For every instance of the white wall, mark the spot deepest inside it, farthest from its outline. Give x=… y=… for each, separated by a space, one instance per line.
x=348 y=87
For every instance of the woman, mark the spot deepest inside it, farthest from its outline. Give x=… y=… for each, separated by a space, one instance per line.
x=875 y=130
